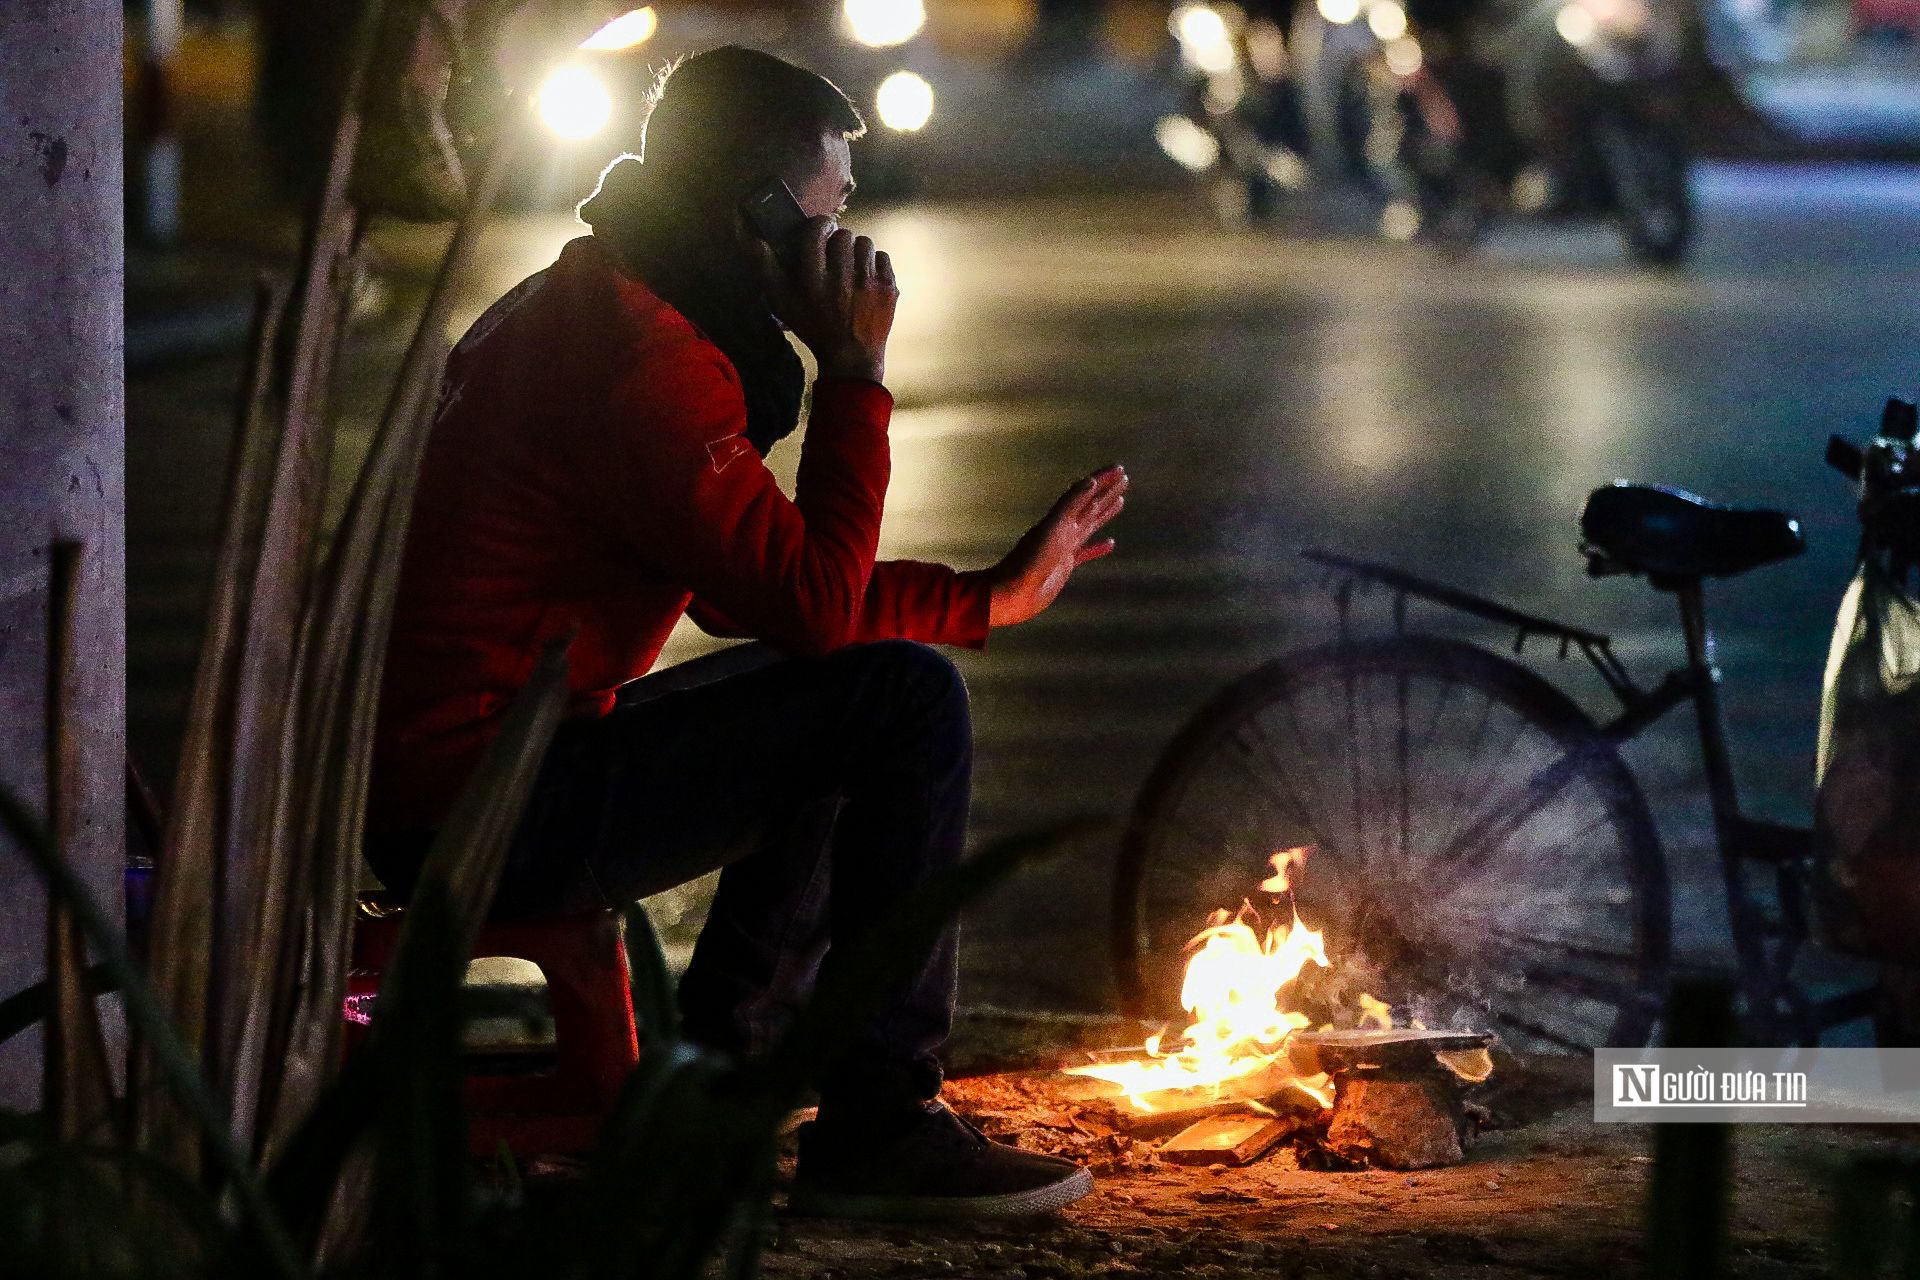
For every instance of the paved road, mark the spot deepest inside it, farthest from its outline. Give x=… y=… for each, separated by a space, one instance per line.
x=1270 y=391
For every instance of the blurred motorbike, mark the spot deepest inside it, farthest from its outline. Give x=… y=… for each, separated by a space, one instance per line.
x=1543 y=107
x=1448 y=113
x=1242 y=126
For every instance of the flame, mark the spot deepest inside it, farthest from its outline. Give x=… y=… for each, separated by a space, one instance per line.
x=1471 y=1065
x=1319 y=1088
x=1283 y=863
x=1232 y=988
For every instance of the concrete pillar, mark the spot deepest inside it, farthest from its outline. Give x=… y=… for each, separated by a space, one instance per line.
x=61 y=414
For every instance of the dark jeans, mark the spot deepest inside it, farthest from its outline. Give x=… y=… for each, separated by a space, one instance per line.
x=829 y=788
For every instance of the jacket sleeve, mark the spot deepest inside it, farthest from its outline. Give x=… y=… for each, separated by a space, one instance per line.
x=911 y=600
x=684 y=489
x=906 y=600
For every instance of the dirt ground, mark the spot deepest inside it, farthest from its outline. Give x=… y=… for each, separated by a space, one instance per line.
x=1544 y=1192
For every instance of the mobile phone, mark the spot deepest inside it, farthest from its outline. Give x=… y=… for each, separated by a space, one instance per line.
x=774 y=214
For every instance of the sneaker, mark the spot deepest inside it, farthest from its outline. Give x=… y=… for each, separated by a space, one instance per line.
x=941 y=1167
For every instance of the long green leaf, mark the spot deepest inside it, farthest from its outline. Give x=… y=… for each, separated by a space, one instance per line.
x=461 y=873
x=262 y=868
x=76 y=1082
x=653 y=990
x=418 y=1216
x=144 y=1010
x=70 y=1209
x=30 y=1004
x=349 y=618
x=471 y=849
x=659 y=1171
x=185 y=909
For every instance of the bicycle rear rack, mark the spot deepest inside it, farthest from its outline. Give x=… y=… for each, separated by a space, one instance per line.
x=1347 y=572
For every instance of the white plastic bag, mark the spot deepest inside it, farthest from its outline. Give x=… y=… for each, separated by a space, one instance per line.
x=1867 y=812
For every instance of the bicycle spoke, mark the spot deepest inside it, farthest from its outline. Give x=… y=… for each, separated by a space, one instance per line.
x=1300 y=734
x=1590 y=986
x=1433 y=721
x=1565 y=852
x=1355 y=792
x=1564 y=946
x=1400 y=759
x=1274 y=758
x=1474 y=849
x=1450 y=821
x=1492 y=775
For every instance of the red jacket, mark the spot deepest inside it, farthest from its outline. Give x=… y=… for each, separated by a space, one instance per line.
x=589 y=468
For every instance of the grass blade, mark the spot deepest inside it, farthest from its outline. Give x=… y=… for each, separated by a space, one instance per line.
x=468 y=854
x=180 y=946
x=418 y=1209
x=261 y=872
x=29 y=1005
x=340 y=681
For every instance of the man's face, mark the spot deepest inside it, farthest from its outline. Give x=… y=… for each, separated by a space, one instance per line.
x=824 y=193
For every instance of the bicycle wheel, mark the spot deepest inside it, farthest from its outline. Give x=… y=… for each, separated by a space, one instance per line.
x=1481 y=857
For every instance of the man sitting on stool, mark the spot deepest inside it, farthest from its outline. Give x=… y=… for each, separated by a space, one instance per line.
x=597 y=464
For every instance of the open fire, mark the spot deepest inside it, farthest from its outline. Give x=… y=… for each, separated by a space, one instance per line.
x=1236 y=988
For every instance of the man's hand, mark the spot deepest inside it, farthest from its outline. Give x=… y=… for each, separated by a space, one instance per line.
x=1032 y=574
x=837 y=295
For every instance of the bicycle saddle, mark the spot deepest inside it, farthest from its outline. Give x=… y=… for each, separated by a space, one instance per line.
x=1671 y=535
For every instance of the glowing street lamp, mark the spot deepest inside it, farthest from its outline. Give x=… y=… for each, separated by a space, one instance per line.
x=880 y=24
x=905 y=102
x=574 y=104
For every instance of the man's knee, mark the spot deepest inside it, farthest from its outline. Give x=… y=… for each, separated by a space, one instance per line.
x=929 y=673
x=922 y=690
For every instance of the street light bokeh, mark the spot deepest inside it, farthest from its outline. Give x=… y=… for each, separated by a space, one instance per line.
x=1576 y=25
x=881 y=24
x=1204 y=38
x=1186 y=143
x=1387 y=20
x=574 y=103
x=905 y=102
x=635 y=27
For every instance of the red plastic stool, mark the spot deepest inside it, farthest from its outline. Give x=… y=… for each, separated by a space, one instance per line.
x=591 y=997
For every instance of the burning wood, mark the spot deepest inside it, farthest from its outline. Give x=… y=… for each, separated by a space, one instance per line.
x=1380 y=1090
x=1402 y=1048
x=1232 y=987
x=1228 y=1139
